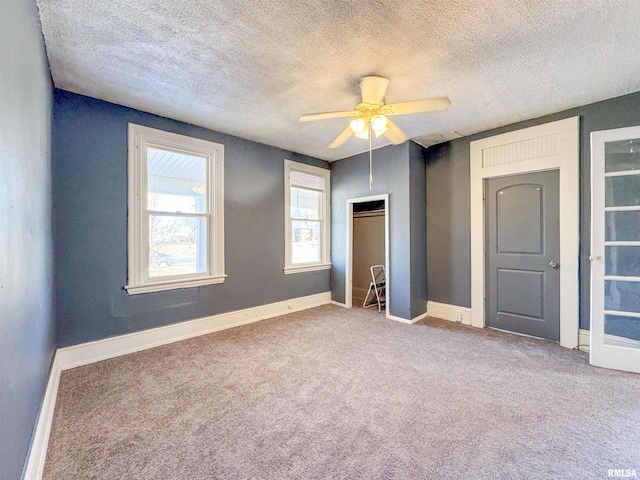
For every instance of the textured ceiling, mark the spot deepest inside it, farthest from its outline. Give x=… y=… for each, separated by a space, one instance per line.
x=251 y=68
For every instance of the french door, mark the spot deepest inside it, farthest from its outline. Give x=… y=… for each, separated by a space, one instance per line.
x=615 y=249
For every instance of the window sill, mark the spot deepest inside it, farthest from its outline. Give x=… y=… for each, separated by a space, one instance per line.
x=306 y=268
x=172 y=285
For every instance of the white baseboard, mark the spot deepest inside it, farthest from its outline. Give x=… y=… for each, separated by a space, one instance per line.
x=584 y=341
x=38 y=452
x=448 y=312
x=404 y=320
x=343 y=305
x=86 y=353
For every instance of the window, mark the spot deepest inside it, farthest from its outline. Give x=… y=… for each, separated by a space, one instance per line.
x=306 y=212
x=176 y=208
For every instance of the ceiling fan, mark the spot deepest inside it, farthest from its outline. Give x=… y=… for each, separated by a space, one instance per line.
x=371 y=113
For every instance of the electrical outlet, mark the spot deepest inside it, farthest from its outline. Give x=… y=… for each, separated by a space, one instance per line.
x=459 y=317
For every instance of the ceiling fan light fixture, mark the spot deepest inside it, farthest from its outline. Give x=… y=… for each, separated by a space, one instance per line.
x=379 y=124
x=381 y=132
x=364 y=135
x=358 y=126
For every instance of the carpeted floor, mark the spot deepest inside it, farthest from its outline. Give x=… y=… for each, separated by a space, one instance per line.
x=336 y=393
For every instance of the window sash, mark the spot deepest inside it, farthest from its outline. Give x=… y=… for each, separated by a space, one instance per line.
x=321 y=213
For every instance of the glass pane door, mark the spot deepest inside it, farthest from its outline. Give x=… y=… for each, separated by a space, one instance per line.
x=615 y=246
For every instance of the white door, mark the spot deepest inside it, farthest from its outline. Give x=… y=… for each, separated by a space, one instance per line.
x=615 y=249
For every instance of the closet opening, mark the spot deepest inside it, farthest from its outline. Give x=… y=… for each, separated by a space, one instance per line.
x=367 y=247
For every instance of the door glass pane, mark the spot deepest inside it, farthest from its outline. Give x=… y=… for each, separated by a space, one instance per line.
x=624 y=327
x=622 y=296
x=623 y=191
x=305 y=241
x=305 y=204
x=623 y=226
x=177 y=182
x=177 y=245
x=622 y=155
x=622 y=261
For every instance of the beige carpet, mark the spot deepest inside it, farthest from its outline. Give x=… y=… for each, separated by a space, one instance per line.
x=336 y=393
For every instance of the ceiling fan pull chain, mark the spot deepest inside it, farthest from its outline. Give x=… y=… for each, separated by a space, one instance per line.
x=370 y=161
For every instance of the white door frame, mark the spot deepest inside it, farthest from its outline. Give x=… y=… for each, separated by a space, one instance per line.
x=551 y=146
x=348 y=281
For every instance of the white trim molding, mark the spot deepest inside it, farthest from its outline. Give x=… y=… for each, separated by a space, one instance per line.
x=584 y=338
x=453 y=313
x=91 y=352
x=311 y=268
x=551 y=146
x=404 y=320
x=40 y=441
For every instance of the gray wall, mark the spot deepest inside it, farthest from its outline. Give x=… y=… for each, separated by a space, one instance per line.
x=418 y=225
x=448 y=197
x=393 y=167
x=90 y=201
x=27 y=330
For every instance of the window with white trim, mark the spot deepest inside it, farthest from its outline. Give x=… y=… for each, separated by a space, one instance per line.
x=176 y=211
x=306 y=210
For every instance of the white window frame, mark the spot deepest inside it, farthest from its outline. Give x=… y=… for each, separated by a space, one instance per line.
x=140 y=139
x=325 y=220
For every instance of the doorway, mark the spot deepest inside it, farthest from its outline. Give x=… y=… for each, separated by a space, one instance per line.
x=368 y=246
x=550 y=146
x=367 y=217
x=522 y=254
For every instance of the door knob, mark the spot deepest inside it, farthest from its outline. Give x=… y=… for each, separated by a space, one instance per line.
x=554 y=265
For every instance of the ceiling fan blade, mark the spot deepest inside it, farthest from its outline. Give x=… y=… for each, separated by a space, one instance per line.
x=340 y=139
x=437 y=104
x=311 y=117
x=373 y=89
x=394 y=134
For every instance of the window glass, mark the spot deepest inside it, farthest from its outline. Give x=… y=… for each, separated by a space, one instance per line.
x=305 y=203
x=305 y=242
x=177 y=245
x=176 y=182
